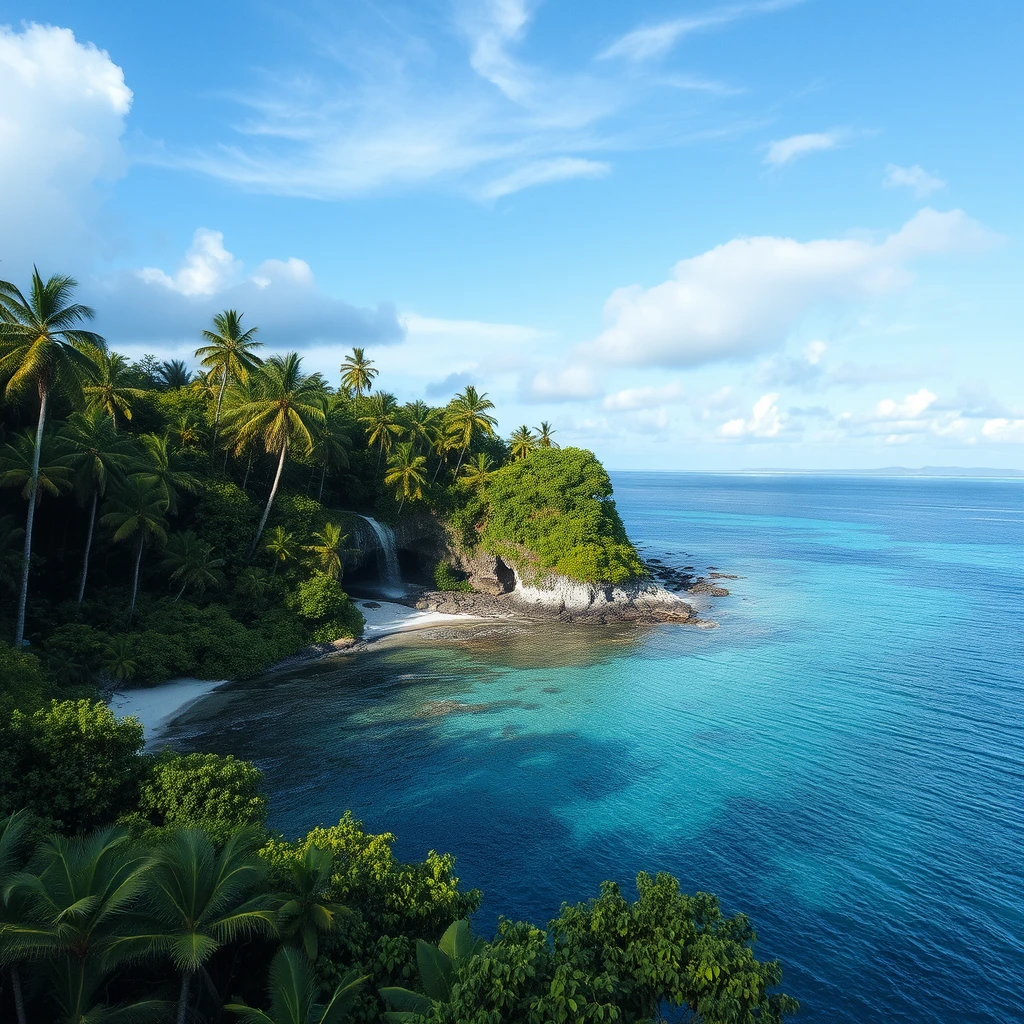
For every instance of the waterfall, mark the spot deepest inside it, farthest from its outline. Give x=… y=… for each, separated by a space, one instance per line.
x=391 y=574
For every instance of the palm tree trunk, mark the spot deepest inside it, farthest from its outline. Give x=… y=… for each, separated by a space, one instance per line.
x=19 y=629
x=270 y=501
x=323 y=476
x=245 y=479
x=437 y=468
x=462 y=455
x=216 y=415
x=135 y=578
x=183 y=998
x=180 y=592
x=19 y=1004
x=88 y=547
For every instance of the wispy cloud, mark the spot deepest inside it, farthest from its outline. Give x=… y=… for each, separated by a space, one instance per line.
x=651 y=41
x=915 y=178
x=785 y=151
x=541 y=172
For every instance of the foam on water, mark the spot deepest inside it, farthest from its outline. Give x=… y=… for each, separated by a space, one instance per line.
x=843 y=759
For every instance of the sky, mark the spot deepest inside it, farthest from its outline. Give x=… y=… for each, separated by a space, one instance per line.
x=691 y=236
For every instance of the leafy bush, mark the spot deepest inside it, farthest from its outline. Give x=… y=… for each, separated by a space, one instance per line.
x=73 y=764
x=445 y=578
x=226 y=517
x=332 y=615
x=219 y=795
x=553 y=512
x=23 y=683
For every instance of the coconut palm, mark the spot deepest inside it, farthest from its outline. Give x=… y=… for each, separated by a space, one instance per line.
x=51 y=472
x=406 y=473
x=191 y=563
x=280 y=546
x=107 y=387
x=97 y=455
x=422 y=424
x=357 y=373
x=477 y=473
x=119 y=659
x=331 y=442
x=74 y=897
x=39 y=350
x=468 y=416
x=135 y=512
x=293 y=991
x=162 y=465
x=228 y=355
x=544 y=436
x=327 y=548
x=522 y=442
x=174 y=374
x=197 y=900
x=281 y=411
x=383 y=424
x=308 y=909
x=14 y=842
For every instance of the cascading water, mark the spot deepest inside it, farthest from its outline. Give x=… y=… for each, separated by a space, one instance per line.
x=390 y=572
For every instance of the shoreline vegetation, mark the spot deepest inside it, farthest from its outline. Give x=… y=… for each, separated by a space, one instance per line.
x=159 y=522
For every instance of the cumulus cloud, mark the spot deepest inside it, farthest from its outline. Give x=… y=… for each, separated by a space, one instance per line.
x=765 y=420
x=1004 y=431
x=650 y=41
x=567 y=384
x=64 y=110
x=280 y=296
x=643 y=397
x=785 y=151
x=915 y=178
x=745 y=296
x=910 y=408
x=542 y=172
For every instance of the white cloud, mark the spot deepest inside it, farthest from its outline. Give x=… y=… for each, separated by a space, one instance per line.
x=568 y=384
x=1004 y=430
x=910 y=408
x=916 y=178
x=745 y=296
x=643 y=397
x=64 y=110
x=281 y=297
x=785 y=151
x=651 y=41
x=765 y=420
x=541 y=172
x=491 y=25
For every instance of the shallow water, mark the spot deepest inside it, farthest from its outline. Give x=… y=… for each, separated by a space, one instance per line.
x=842 y=759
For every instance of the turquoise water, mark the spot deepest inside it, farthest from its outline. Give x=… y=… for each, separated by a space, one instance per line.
x=842 y=759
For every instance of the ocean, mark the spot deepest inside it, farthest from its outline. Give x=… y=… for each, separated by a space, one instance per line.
x=842 y=759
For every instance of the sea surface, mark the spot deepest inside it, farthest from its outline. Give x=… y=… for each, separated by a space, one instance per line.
x=842 y=758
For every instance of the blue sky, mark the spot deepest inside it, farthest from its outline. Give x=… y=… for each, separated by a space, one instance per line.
x=692 y=236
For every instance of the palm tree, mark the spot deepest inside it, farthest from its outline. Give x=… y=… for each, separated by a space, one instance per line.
x=228 y=355
x=75 y=898
x=14 y=836
x=39 y=349
x=357 y=373
x=197 y=900
x=331 y=442
x=280 y=545
x=477 y=473
x=467 y=416
x=422 y=423
x=107 y=388
x=281 y=412
x=164 y=466
x=136 y=513
x=97 y=455
x=406 y=474
x=119 y=659
x=192 y=564
x=50 y=471
x=522 y=442
x=382 y=423
x=308 y=910
x=544 y=436
x=174 y=374
x=327 y=547
x=293 y=993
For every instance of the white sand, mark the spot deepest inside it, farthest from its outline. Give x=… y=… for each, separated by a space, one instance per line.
x=157 y=706
x=399 y=618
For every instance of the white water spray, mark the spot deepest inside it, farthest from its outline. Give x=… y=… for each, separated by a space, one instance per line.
x=390 y=572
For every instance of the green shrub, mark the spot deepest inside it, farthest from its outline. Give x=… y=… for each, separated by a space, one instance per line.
x=553 y=512
x=23 y=683
x=321 y=602
x=226 y=517
x=445 y=578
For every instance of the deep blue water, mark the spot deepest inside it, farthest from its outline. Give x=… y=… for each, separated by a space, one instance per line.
x=842 y=759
